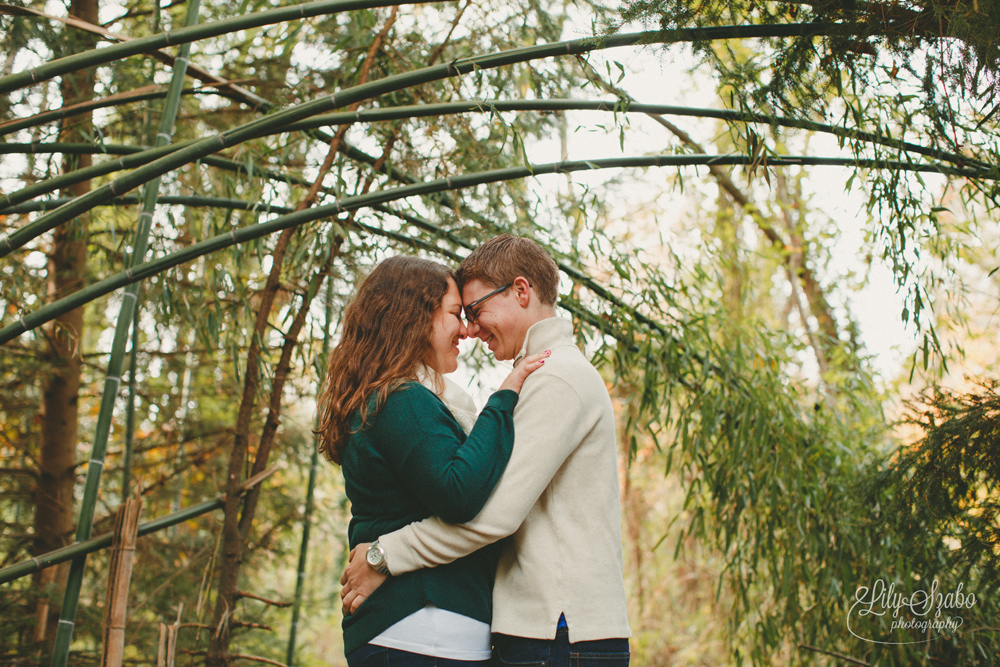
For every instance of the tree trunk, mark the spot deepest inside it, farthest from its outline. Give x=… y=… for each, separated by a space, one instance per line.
x=61 y=387
x=236 y=524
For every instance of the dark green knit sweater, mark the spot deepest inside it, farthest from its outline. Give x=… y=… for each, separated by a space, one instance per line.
x=412 y=461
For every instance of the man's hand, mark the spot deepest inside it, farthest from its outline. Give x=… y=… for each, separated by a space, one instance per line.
x=359 y=580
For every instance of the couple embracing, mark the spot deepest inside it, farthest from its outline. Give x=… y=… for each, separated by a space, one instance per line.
x=477 y=539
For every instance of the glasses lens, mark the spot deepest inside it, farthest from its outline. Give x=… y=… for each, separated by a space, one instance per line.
x=470 y=311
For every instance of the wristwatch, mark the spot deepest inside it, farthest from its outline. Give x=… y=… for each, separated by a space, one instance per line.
x=376 y=558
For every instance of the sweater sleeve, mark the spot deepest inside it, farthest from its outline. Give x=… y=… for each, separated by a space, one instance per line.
x=453 y=475
x=547 y=433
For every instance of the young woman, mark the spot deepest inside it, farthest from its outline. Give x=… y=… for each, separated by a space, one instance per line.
x=384 y=418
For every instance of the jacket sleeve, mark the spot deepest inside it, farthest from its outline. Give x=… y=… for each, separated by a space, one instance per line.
x=549 y=425
x=450 y=473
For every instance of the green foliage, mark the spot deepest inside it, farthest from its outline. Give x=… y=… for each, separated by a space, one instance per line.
x=941 y=495
x=934 y=41
x=925 y=70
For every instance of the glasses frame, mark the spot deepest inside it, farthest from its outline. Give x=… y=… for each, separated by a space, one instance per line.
x=470 y=312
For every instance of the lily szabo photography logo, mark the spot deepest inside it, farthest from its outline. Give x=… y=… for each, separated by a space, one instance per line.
x=884 y=611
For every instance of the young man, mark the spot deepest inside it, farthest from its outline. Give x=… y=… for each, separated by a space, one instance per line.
x=559 y=583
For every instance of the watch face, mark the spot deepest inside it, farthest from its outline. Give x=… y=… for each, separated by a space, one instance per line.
x=374 y=557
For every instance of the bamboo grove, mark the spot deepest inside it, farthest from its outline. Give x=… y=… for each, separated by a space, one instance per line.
x=189 y=193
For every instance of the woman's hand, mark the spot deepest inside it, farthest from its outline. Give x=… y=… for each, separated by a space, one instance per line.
x=359 y=580
x=527 y=366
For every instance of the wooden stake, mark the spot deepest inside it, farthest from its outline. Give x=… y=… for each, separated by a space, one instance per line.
x=119 y=576
x=166 y=654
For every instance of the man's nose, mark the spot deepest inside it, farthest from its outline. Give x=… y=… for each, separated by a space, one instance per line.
x=472 y=329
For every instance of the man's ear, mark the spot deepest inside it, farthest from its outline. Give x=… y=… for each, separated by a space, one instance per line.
x=522 y=291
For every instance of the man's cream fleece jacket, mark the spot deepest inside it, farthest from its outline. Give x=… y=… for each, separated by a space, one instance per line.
x=559 y=500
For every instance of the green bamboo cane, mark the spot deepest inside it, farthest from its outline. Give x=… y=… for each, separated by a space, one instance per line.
x=371 y=89
x=169 y=200
x=126 y=315
x=618 y=106
x=408 y=112
x=574 y=273
x=39 y=563
x=130 y=408
x=243 y=234
x=186 y=35
x=66 y=147
x=45 y=117
x=133 y=156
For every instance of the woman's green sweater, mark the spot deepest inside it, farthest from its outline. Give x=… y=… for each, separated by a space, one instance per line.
x=412 y=461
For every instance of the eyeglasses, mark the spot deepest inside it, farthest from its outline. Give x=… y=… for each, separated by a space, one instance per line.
x=471 y=313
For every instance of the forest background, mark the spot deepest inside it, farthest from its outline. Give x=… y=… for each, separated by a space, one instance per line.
x=730 y=192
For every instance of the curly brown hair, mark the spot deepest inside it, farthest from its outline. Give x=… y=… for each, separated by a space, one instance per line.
x=385 y=338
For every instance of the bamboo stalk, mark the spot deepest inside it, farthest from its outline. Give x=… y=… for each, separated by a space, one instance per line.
x=112 y=382
x=167 y=653
x=138 y=95
x=119 y=577
x=137 y=157
x=24 y=568
x=133 y=157
x=38 y=563
x=259 y=230
x=241 y=94
x=161 y=653
x=130 y=408
x=187 y=35
x=169 y=200
x=275 y=122
x=406 y=112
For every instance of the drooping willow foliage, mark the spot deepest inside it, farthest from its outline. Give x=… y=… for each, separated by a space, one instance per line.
x=924 y=69
x=948 y=48
x=322 y=137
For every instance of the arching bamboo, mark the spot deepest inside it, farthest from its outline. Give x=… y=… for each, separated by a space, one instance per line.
x=170 y=200
x=187 y=35
x=276 y=122
x=140 y=95
x=407 y=112
x=236 y=236
x=141 y=156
